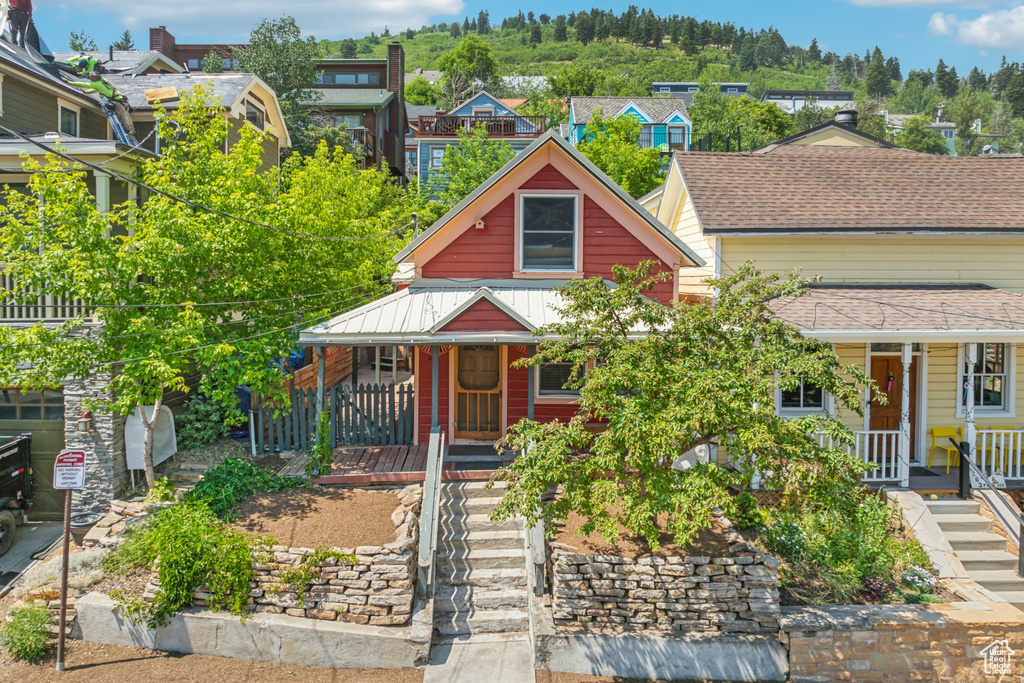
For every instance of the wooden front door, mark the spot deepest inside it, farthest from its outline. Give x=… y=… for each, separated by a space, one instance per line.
x=478 y=392
x=887 y=373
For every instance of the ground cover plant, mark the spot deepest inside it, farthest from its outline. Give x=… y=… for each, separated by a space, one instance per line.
x=26 y=635
x=235 y=479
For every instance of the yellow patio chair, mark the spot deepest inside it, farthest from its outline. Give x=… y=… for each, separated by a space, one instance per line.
x=952 y=452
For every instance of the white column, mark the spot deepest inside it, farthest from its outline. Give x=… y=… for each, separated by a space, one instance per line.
x=133 y=197
x=904 y=452
x=102 y=191
x=970 y=432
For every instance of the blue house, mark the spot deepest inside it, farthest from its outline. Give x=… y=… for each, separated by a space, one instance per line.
x=665 y=121
x=435 y=133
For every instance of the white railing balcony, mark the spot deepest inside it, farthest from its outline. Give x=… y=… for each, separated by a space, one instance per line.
x=876 y=447
x=999 y=451
x=42 y=307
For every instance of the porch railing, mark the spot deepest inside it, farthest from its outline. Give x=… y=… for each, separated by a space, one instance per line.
x=999 y=451
x=42 y=307
x=497 y=126
x=430 y=515
x=877 y=447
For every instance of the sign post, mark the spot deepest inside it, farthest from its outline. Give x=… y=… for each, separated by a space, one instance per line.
x=68 y=475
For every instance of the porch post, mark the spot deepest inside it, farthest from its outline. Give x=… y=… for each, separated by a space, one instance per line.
x=321 y=367
x=435 y=384
x=904 y=452
x=376 y=364
x=394 y=365
x=970 y=433
x=530 y=373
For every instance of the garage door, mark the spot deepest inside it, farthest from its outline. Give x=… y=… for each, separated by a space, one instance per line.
x=41 y=414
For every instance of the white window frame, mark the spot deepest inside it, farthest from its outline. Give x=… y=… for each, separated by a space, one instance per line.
x=64 y=104
x=1009 y=408
x=576 y=241
x=828 y=405
x=435 y=159
x=485 y=110
x=565 y=394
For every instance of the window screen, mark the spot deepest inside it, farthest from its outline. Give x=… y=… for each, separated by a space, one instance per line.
x=549 y=233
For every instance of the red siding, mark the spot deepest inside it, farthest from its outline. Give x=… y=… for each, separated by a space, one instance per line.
x=424 y=400
x=483 y=315
x=548 y=178
x=552 y=412
x=486 y=253
x=607 y=243
x=517 y=381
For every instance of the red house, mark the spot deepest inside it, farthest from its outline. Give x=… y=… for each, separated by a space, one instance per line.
x=475 y=287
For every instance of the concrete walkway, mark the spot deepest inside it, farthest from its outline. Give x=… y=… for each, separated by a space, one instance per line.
x=482 y=658
x=28 y=540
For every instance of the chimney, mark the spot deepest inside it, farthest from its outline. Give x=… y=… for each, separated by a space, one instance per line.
x=111 y=53
x=160 y=40
x=847 y=117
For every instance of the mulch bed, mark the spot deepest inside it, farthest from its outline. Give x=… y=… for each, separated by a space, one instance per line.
x=709 y=543
x=305 y=518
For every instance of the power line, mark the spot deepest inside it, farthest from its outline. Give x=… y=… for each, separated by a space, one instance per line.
x=195 y=205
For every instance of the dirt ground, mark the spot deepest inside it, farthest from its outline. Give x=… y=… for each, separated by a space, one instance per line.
x=340 y=518
x=559 y=677
x=98 y=663
x=710 y=543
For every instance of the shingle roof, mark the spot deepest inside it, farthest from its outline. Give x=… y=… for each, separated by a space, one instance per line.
x=810 y=188
x=659 y=109
x=35 y=65
x=123 y=61
x=226 y=87
x=353 y=97
x=902 y=307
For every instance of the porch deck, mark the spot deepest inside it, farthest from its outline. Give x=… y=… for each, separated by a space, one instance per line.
x=386 y=464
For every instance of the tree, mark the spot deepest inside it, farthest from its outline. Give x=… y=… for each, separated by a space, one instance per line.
x=664 y=380
x=545 y=19
x=453 y=30
x=965 y=110
x=946 y=80
x=833 y=78
x=876 y=78
x=614 y=147
x=917 y=136
x=213 y=63
x=715 y=113
x=125 y=42
x=813 y=51
x=483 y=23
x=976 y=79
x=535 y=34
x=893 y=65
x=349 y=49
x=584 y=28
x=471 y=60
x=747 y=58
x=561 y=32
x=179 y=291
x=410 y=34
x=465 y=25
x=419 y=91
x=466 y=165
x=870 y=121
x=80 y=41
x=279 y=55
x=579 y=80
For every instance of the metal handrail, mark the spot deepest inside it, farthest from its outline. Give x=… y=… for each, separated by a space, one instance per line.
x=430 y=514
x=964 y=449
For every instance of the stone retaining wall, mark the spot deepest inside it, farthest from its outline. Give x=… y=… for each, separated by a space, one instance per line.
x=903 y=642
x=734 y=594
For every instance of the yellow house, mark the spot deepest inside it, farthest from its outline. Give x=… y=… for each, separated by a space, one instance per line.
x=921 y=260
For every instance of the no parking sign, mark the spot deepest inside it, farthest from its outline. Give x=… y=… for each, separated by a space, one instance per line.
x=69 y=470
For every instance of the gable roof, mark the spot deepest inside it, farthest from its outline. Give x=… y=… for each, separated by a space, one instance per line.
x=834 y=125
x=482 y=98
x=43 y=73
x=126 y=61
x=657 y=109
x=553 y=138
x=484 y=294
x=790 y=188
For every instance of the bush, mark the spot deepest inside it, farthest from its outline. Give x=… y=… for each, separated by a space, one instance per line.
x=163 y=490
x=201 y=424
x=787 y=539
x=27 y=634
x=747 y=515
x=321 y=455
x=232 y=481
x=194 y=549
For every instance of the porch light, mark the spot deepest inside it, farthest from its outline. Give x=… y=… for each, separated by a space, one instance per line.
x=84 y=423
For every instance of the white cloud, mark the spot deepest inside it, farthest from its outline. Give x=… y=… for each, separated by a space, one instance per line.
x=941 y=24
x=1002 y=29
x=231 y=20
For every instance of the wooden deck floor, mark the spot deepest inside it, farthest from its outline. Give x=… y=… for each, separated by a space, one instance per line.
x=380 y=465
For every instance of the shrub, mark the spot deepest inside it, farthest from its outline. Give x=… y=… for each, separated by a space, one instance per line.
x=787 y=539
x=194 y=549
x=163 y=490
x=232 y=481
x=321 y=455
x=201 y=424
x=747 y=515
x=27 y=634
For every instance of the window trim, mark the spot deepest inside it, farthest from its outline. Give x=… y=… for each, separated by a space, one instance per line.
x=261 y=110
x=562 y=396
x=434 y=157
x=828 y=405
x=1009 y=408
x=577 y=268
x=64 y=104
x=1 y=94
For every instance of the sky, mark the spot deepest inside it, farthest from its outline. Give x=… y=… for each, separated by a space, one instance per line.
x=964 y=33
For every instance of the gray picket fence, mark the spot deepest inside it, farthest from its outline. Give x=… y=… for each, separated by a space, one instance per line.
x=363 y=415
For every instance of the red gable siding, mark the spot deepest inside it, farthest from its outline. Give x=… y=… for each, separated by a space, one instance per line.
x=517 y=381
x=424 y=387
x=548 y=178
x=483 y=253
x=483 y=315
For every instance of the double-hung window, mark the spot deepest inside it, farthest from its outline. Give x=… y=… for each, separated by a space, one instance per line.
x=803 y=399
x=993 y=379
x=548 y=232
x=552 y=379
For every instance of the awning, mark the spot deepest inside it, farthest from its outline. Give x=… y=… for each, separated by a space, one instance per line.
x=906 y=313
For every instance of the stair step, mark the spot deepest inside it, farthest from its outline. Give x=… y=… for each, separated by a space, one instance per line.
x=1002 y=580
x=969 y=540
x=475 y=522
x=472 y=489
x=478 y=457
x=949 y=522
x=482 y=621
x=987 y=560
x=470 y=504
x=469 y=598
x=484 y=578
x=484 y=558
x=195 y=465
x=512 y=538
x=1015 y=598
x=954 y=506
x=186 y=477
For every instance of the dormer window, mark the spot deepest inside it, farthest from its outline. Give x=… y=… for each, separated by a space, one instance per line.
x=254 y=115
x=548 y=225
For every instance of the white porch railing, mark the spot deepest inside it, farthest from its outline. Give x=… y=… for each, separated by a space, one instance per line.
x=1000 y=451
x=43 y=307
x=877 y=447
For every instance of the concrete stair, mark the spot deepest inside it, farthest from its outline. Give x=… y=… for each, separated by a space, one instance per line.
x=481 y=567
x=982 y=551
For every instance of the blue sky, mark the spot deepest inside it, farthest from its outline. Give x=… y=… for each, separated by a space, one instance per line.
x=963 y=32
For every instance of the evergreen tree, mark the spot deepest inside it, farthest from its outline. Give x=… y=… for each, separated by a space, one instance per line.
x=483 y=23
x=465 y=25
x=893 y=65
x=584 y=28
x=125 y=42
x=545 y=19
x=976 y=79
x=1014 y=94
x=946 y=79
x=604 y=29
x=387 y=32
x=535 y=35
x=472 y=27
x=348 y=49
x=747 y=60
x=833 y=78
x=454 y=30
x=876 y=78
x=409 y=34
x=561 y=32
x=814 y=52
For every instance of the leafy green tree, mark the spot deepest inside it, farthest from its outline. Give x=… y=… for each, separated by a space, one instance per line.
x=715 y=113
x=870 y=121
x=917 y=136
x=279 y=55
x=454 y=30
x=964 y=111
x=561 y=32
x=614 y=146
x=467 y=164
x=125 y=42
x=671 y=379
x=813 y=114
x=213 y=63
x=575 y=80
x=876 y=78
x=177 y=290
x=349 y=49
x=585 y=28
x=80 y=41
x=419 y=91
x=471 y=61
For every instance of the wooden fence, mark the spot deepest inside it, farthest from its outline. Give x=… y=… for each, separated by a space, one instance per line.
x=365 y=415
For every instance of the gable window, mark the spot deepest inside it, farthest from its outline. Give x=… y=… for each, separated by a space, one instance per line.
x=254 y=115
x=993 y=379
x=552 y=378
x=483 y=111
x=68 y=121
x=548 y=232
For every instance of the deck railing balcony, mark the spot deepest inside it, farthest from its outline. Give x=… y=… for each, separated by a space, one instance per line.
x=41 y=307
x=364 y=138
x=497 y=126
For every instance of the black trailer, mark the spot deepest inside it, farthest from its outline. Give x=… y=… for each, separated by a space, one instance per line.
x=15 y=485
